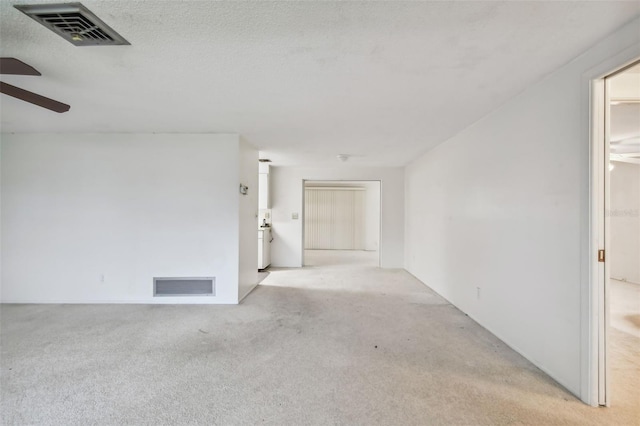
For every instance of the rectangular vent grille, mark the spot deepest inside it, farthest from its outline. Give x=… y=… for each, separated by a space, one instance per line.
x=201 y=286
x=75 y=23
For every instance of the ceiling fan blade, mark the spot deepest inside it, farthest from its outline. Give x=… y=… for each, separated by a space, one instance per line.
x=33 y=98
x=16 y=67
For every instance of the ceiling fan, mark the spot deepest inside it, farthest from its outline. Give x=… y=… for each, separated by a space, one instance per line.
x=17 y=67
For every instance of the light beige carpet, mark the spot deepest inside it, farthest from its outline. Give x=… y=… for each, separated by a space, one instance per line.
x=328 y=344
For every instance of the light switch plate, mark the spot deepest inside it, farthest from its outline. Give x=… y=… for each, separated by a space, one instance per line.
x=294 y=216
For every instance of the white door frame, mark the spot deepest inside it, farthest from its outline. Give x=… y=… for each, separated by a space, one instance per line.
x=598 y=374
x=599 y=204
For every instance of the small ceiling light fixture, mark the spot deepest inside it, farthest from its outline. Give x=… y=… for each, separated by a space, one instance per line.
x=342 y=157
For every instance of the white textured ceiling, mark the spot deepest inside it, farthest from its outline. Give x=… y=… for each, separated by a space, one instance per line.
x=301 y=81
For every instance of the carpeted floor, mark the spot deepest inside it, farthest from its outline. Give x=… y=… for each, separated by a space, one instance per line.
x=326 y=344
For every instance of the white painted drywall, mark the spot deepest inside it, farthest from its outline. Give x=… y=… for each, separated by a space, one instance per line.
x=625 y=222
x=503 y=207
x=129 y=207
x=287 y=198
x=248 y=225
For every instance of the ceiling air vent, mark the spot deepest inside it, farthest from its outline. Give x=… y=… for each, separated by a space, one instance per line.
x=75 y=23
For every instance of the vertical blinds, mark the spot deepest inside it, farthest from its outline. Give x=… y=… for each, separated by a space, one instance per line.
x=334 y=218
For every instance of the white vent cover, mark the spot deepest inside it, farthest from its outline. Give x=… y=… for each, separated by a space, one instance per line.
x=75 y=23
x=169 y=286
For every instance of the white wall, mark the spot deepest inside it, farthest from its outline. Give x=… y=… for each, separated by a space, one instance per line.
x=625 y=222
x=248 y=225
x=504 y=206
x=287 y=198
x=131 y=207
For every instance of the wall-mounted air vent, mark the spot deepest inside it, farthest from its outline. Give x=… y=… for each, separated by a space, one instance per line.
x=75 y=23
x=200 y=286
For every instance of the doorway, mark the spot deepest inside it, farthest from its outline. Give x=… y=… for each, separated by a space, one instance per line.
x=616 y=232
x=623 y=303
x=341 y=223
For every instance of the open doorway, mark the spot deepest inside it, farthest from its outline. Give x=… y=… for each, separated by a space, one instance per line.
x=341 y=223
x=623 y=230
x=615 y=234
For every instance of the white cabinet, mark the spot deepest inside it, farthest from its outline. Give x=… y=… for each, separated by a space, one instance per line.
x=264 y=248
x=264 y=201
